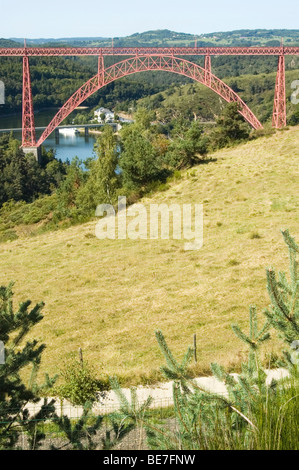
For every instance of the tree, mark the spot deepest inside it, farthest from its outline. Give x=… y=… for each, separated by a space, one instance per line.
x=283 y=313
x=69 y=188
x=143 y=118
x=138 y=160
x=141 y=158
x=187 y=147
x=230 y=127
x=294 y=119
x=14 y=394
x=22 y=178
x=103 y=181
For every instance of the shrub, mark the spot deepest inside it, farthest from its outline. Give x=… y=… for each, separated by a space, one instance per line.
x=80 y=383
x=8 y=235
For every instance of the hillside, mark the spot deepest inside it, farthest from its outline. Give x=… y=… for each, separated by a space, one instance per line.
x=165 y=37
x=194 y=99
x=55 y=79
x=108 y=297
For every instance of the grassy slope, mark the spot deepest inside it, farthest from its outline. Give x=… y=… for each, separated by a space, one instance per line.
x=108 y=297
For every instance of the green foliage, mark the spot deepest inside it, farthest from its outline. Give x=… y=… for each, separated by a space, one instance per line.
x=253 y=414
x=8 y=235
x=130 y=415
x=14 y=394
x=68 y=190
x=22 y=178
x=103 y=181
x=14 y=213
x=253 y=79
x=140 y=159
x=80 y=384
x=294 y=119
x=80 y=435
x=283 y=313
x=230 y=127
x=199 y=411
x=188 y=146
x=144 y=118
x=174 y=371
x=53 y=79
x=147 y=155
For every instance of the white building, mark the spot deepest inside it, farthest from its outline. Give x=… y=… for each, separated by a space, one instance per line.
x=109 y=115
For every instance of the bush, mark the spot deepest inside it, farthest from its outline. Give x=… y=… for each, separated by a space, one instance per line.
x=294 y=119
x=188 y=146
x=8 y=235
x=230 y=127
x=80 y=384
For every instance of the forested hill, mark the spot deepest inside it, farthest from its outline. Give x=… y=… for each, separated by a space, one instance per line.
x=165 y=37
x=9 y=43
x=55 y=79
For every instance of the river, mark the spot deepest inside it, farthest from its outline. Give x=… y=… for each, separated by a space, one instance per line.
x=68 y=146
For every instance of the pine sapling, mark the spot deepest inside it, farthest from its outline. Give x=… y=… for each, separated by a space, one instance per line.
x=283 y=313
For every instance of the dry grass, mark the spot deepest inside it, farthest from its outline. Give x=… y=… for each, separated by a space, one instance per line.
x=108 y=297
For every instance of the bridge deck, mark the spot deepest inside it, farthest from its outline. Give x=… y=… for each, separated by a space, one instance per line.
x=141 y=51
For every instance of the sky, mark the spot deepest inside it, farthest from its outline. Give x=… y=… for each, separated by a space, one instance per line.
x=117 y=18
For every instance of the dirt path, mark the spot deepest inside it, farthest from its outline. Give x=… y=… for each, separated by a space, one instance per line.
x=161 y=395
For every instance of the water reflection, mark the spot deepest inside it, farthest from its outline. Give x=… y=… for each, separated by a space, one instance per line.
x=66 y=147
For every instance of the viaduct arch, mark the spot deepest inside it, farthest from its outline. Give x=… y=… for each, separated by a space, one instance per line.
x=148 y=63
